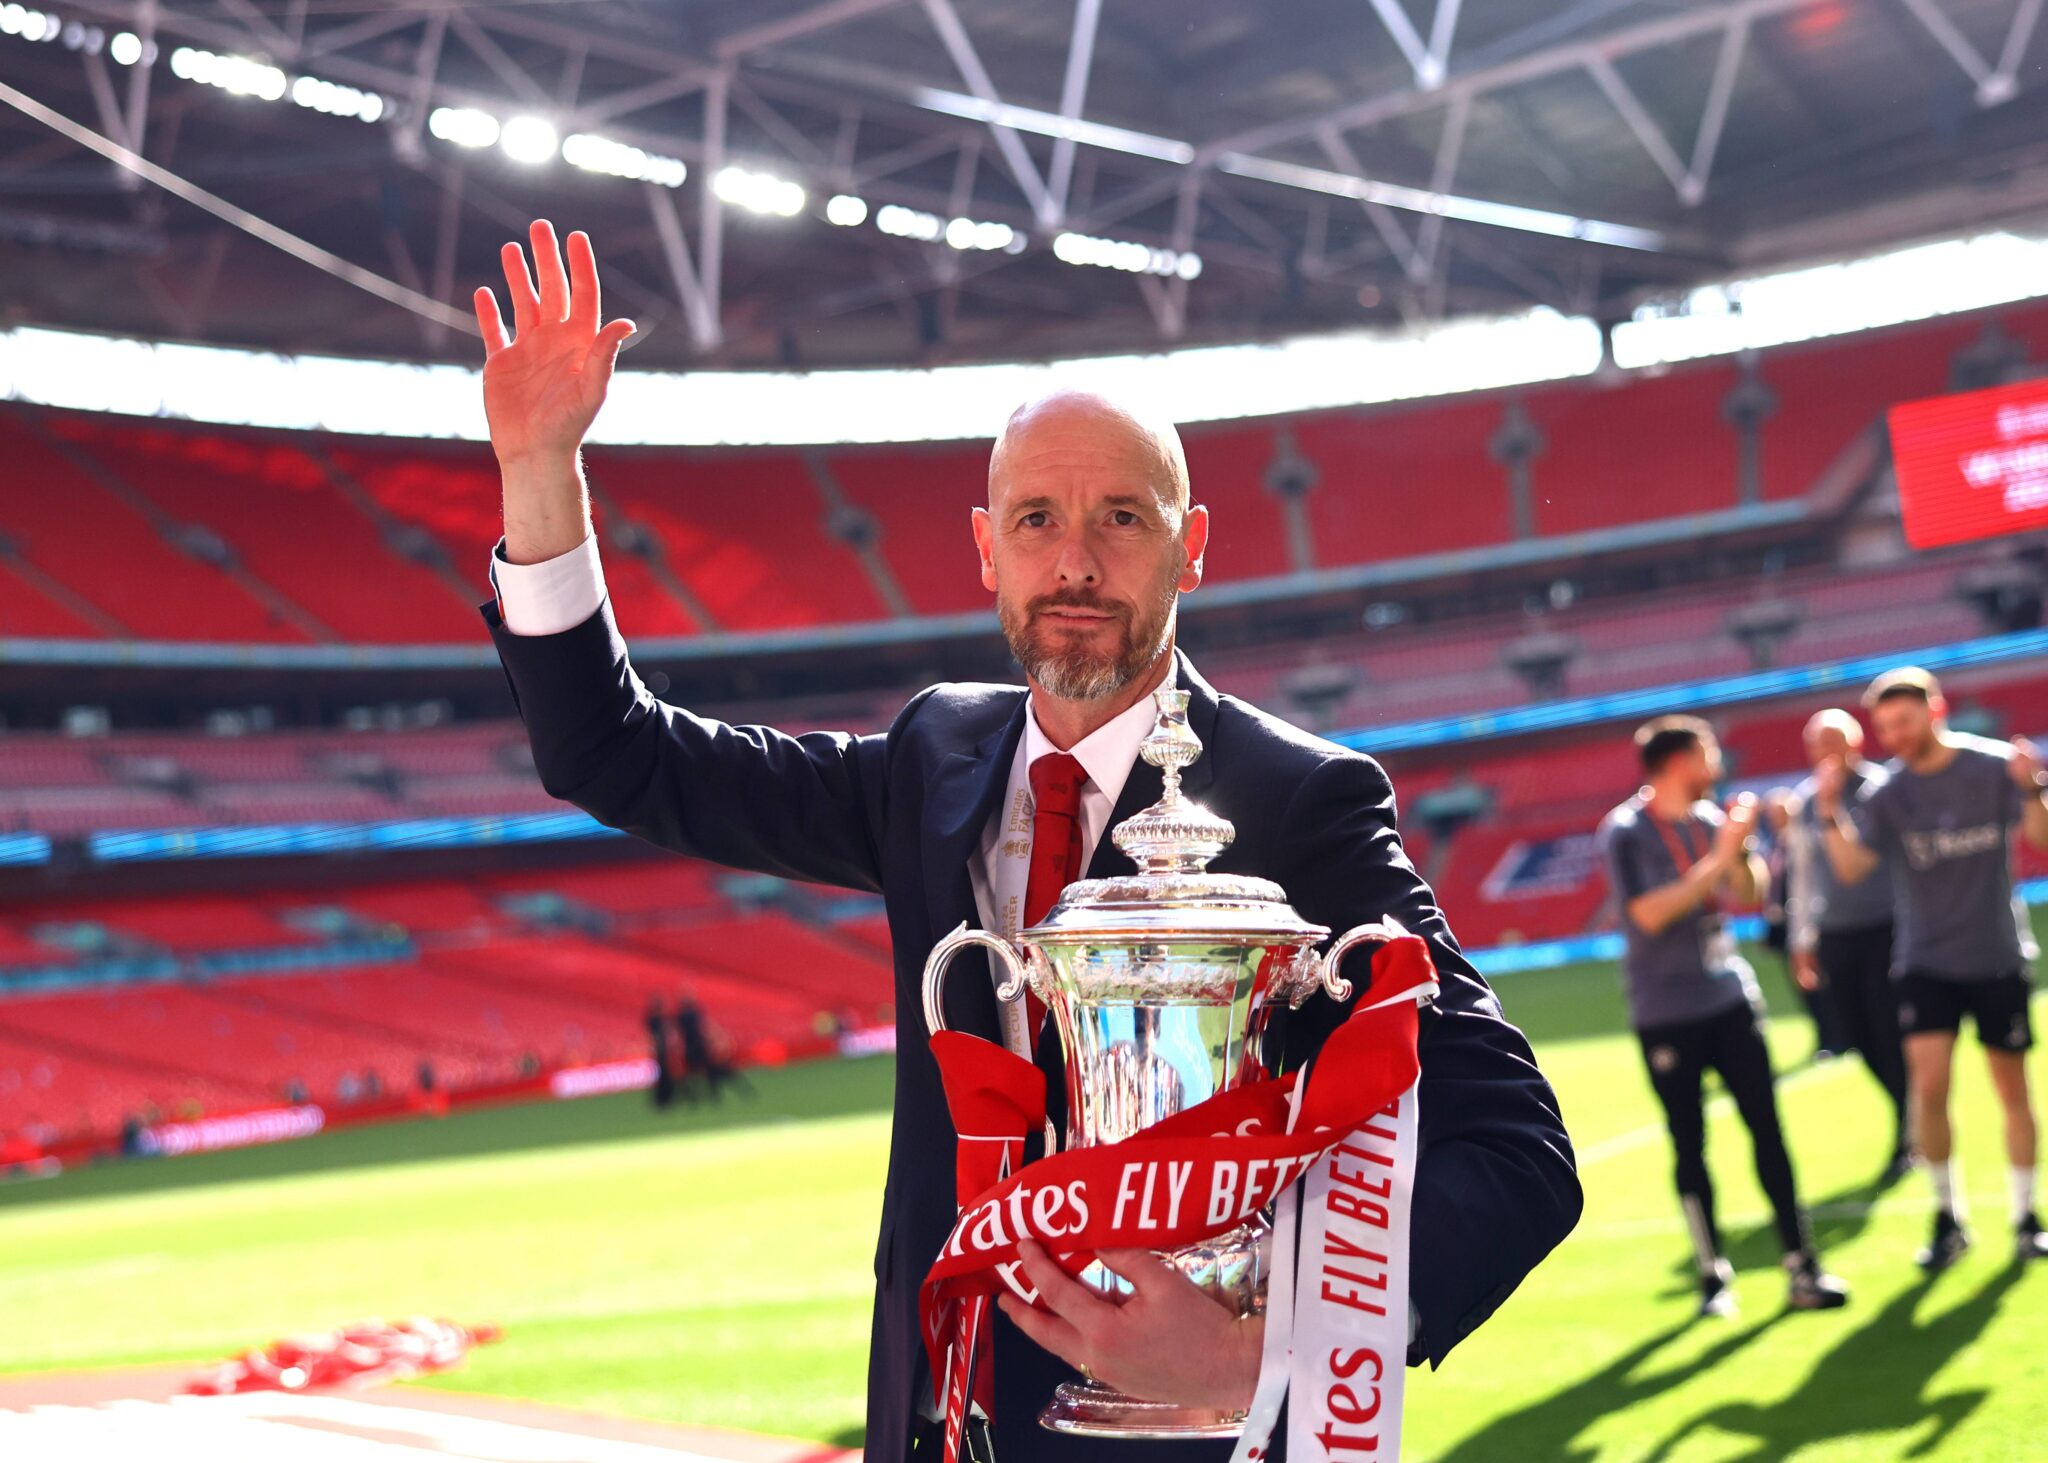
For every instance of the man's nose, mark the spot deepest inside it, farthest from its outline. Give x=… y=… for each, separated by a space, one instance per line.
x=1077 y=562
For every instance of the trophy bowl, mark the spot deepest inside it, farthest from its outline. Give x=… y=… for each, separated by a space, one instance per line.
x=1160 y=984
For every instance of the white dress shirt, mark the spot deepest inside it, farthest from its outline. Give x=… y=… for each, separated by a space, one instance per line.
x=552 y=596
x=561 y=593
x=1000 y=875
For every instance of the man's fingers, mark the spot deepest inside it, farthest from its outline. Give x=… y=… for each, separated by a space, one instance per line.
x=1145 y=1271
x=604 y=354
x=519 y=288
x=584 y=308
x=547 y=272
x=489 y=322
x=1050 y=1332
x=1065 y=1295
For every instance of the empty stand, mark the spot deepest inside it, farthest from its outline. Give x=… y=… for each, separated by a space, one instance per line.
x=110 y=556
x=1247 y=521
x=746 y=532
x=1404 y=480
x=290 y=524
x=922 y=498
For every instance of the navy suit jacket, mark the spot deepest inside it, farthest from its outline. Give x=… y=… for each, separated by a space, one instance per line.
x=902 y=814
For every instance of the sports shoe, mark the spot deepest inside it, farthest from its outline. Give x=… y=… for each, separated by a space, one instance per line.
x=1717 y=1291
x=1947 y=1244
x=2030 y=1241
x=1812 y=1288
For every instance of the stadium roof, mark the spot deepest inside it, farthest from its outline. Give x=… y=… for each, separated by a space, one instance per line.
x=1366 y=162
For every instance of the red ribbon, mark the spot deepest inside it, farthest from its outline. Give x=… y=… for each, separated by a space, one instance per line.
x=1197 y=1174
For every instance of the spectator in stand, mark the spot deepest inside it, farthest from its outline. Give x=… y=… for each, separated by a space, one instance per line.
x=1841 y=935
x=664 y=1062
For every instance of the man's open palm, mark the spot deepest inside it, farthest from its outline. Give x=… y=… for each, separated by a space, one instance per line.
x=543 y=386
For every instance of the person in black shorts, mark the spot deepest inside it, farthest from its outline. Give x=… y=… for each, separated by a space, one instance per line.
x=1673 y=858
x=1944 y=819
x=1841 y=934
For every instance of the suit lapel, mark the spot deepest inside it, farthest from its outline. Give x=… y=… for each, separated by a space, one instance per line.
x=963 y=797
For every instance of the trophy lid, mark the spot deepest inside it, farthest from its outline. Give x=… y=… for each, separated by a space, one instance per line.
x=1173 y=892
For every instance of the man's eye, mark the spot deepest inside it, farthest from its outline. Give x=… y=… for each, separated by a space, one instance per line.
x=1124 y=518
x=1032 y=520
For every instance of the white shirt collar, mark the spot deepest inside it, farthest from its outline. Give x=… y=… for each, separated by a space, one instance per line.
x=1107 y=753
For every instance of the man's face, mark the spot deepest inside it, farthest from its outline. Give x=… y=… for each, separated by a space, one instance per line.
x=1828 y=741
x=1699 y=769
x=1087 y=546
x=1906 y=725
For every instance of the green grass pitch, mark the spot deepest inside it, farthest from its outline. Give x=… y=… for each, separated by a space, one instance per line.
x=660 y=1266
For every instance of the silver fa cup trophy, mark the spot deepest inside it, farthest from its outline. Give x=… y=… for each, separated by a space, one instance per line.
x=1161 y=982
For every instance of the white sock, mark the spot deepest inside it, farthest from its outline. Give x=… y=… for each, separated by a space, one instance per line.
x=2022 y=1194
x=1943 y=1176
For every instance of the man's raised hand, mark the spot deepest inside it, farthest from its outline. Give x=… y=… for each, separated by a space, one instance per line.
x=544 y=384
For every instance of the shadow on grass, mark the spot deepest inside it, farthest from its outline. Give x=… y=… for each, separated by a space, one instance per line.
x=803 y=1092
x=1876 y=1381
x=1548 y=1429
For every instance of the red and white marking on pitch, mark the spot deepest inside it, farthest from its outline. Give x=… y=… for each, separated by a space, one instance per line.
x=70 y=1418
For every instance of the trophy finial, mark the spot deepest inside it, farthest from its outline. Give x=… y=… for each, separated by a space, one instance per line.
x=1173 y=835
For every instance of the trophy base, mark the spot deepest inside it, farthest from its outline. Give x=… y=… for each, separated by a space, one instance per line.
x=1091 y=1410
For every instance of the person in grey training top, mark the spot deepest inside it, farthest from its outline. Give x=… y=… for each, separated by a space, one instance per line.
x=1673 y=858
x=1945 y=819
x=1840 y=935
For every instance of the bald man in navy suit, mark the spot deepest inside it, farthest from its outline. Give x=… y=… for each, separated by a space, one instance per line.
x=1089 y=538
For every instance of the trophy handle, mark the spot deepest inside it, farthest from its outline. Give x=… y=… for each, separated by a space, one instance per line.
x=935 y=964
x=1376 y=932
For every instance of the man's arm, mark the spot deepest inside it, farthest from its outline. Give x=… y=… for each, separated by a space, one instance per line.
x=804 y=807
x=2025 y=766
x=1656 y=910
x=1802 y=929
x=1853 y=858
x=1496 y=1188
x=1746 y=876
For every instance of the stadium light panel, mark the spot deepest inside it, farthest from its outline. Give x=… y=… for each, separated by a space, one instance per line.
x=846 y=210
x=1126 y=255
x=967 y=233
x=762 y=193
x=30 y=25
x=530 y=140
x=237 y=75
x=463 y=126
x=603 y=155
x=336 y=100
x=908 y=223
x=126 y=48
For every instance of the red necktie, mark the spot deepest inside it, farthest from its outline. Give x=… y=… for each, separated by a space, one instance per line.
x=1056 y=781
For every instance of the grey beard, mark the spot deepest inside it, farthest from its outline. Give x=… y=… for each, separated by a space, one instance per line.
x=1076 y=676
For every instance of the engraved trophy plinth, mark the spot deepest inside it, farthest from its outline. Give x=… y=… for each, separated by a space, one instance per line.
x=1160 y=983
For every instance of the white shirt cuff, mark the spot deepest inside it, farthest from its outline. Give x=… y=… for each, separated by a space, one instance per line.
x=549 y=597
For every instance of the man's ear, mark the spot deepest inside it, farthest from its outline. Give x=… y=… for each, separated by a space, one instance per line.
x=985 y=544
x=1194 y=537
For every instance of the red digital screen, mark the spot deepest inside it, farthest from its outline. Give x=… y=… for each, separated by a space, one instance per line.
x=1972 y=465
